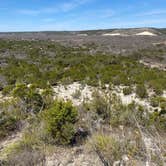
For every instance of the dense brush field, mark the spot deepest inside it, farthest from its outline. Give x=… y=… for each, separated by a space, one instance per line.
x=42 y=125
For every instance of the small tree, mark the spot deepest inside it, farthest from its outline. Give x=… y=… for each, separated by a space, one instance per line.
x=141 y=91
x=31 y=98
x=127 y=91
x=60 y=120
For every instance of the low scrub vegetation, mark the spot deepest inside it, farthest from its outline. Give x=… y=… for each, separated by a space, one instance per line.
x=141 y=91
x=108 y=148
x=28 y=84
x=159 y=101
x=8 y=124
x=127 y=91
x=10 y=117
x=37 y=67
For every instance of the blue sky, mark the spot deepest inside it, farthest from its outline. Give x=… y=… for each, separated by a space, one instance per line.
x=39 y=15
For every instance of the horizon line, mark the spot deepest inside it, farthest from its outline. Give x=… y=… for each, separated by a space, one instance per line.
x=82 y=30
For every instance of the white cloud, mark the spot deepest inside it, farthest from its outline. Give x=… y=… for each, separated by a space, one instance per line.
x=72 y=4
x=153 y=12
x=63 y=7
x=140 y=23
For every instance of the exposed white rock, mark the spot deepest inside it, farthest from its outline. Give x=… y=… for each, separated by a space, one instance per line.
x=67 y=92
x=111 y=34
x=116 y=163
x=154 y=65
x=82 y=34
x=72 y=157
x=145 y=33
x=5 y=98
x=85 y=94
x=164 y=94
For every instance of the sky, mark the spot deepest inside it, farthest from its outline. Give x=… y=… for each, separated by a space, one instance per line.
x=58 y=15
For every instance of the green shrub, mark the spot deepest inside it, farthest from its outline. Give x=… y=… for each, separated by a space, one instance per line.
x=29 y=95
x=11 y=115
x=8 y=124
x=20 y=91
x=154 y=102
x=158 y=120
x=121 y=115
x=126 y=114
x=100 y=105
x=35 y=103
x=19 y=154
x=116 y=80
x=7 y=89
x=127 y=91
x=76 y=94
x=108 y=148
x=47 y=95
x=163 y=106
x=158 y=90
x=158 y=102
x=141 y=91
x=60 y=120
x=157 y=86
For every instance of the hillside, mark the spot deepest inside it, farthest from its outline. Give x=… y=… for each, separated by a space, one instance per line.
x=69 y=99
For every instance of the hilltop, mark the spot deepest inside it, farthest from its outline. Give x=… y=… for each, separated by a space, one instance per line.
x=128 y=31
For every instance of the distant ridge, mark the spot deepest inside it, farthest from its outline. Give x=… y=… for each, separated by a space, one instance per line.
x=125 y=31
